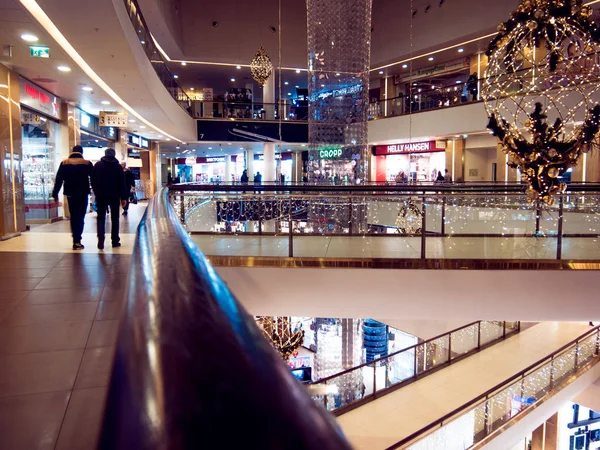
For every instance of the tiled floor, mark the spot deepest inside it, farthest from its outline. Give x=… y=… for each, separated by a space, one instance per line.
x=58 y=328
x=59 y=314
x=389 y=419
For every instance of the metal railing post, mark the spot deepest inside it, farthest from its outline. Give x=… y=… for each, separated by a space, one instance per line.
x=552 y=373
x=374 y=379
x=443 y=216
x=415 y=361
x=350 y=210
x=291 y=233
x=449 y=347
x=182 y=208
x=423 y=226
x=504 y=331
x=259 y=214
x=538 y=214
x=576 y=363
x=479 y=335
x=560 y=228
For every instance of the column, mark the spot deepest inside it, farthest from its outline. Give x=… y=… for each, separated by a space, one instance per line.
x=228 y=169
x=269 y=97
x=269 y=162
x=12 y=216
x=296 y=167
x=153 y=161
x=250 y=164
x=455 y=159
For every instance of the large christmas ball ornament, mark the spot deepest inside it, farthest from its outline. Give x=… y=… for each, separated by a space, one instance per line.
x=542 y=90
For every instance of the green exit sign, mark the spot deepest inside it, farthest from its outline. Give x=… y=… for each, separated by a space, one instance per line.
x=39 y=52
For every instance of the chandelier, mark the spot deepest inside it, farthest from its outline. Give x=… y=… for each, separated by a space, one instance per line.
x=278 y=330
x=261 y=66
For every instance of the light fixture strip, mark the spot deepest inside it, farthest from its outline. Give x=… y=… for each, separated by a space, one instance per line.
x=38 y=13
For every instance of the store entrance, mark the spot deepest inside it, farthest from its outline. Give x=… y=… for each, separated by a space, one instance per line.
x=415 y=167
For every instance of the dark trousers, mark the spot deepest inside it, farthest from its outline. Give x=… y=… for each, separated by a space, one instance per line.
x=77 y=207
x=103 y=204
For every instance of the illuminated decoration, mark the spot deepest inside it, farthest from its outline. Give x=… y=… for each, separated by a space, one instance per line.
x=409 y=219
x=261 y=66
x=278 y=330
x=330 y=154
x=339 y=54
x=542 y=91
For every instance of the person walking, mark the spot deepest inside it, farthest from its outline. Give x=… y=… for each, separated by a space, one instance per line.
x=472 y=86
x=108 y=183
x=74 y=172
x=129 y=186
x=257 y=178
x=244 y=178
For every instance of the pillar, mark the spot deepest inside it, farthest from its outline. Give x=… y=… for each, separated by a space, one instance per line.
x=545 y=437
x=250 y=164
x=269 y=162
x=12 y=217
x=227 y=169
x=153 y=160
x=269 y=96
x=73 y=129
x=297 y=167
x=455 y=159
x=504 y=173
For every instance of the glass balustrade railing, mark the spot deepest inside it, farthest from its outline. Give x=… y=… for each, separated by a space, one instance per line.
x=440 y=222
x=482 y=418
x=353 y=387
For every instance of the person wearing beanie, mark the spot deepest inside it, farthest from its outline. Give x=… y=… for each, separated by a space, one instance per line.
x=108 y=183
x=74 y=173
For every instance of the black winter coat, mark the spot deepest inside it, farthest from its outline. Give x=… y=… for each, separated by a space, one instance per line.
x=75 y=173
x=108 y=179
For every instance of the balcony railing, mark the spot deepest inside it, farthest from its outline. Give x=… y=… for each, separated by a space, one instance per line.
x=434 y=221
x=358 y=385
x=245 y=111
x=192 y=369
x=503 y=405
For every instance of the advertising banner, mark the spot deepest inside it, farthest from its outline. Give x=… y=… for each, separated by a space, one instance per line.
x=214 y=131
x=38 y=99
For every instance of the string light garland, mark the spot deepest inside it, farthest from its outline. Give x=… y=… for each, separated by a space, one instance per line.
x=542 y=91
x=261 y=66
x=278 y=330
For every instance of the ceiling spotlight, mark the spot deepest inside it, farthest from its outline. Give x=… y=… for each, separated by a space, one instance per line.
x=210 y=148
x=286 y=83
x=238 y=67
x=105 y=102
x=87 y=89
x=322 y=85
x=131 y=120
x=64 y=68
x=430 y=58
x=167 y=139
x=381 y=72
x=160 y=135
x=404 y=66
x=175 y=76
x=142 y=126
x=297 y=70
x=337 y=74
x=289 y=93
x=183 y=63
x=29 y=37
x=297 y=87
x=177 y=148
x=142 y=42
x=460 y=50
x=191 y=89
x=233 y=80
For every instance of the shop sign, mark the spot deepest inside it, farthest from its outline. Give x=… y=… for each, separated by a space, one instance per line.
x=113 y=119
x=330 y=154
x=215 y=159
x=338 y=93
x=207 y=94
x=190 y=161
x=138 y=141
x=410 y=147
x=439 y=69
x=39 y=99
x=37 y=51
x=28 y=118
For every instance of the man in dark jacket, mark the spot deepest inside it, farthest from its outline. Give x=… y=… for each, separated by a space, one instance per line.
x=74 y=172
x=108 y=182
x=129 y=185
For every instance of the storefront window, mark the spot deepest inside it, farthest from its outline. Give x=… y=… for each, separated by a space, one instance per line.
x=41 y=159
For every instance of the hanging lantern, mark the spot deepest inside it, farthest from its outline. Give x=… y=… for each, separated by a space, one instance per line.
x=261 y=66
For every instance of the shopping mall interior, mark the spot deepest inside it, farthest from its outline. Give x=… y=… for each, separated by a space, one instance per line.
x=368 y=224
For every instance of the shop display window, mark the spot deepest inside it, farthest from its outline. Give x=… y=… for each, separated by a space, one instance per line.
x=41 y=159
x=415 y=167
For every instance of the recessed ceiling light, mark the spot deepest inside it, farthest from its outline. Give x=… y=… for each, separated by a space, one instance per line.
x=337 y=74
x=177 y=148
x=458 y=81
x=160 y=135
x=87 y=89
x=105 y=102
x=430 y=58
x=131 y=120
x=183 y=63
x=289 y=93
x=29 y=37
x=286 y=83
x=64 y=68
x=175 y=76
x=210 y=148
x=297 y=87
x=303 y=145
x=167 y=139
x=142 y=126
x=381 y=72
x=297 y=70
x=404 y=66
x=241 y=148
x=238 y=67
x=142 y=42
x=232 y=80
x=322 y=85
x=460 y=50
x=191 y=89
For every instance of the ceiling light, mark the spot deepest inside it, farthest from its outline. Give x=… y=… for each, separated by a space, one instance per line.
x=64 y=68
x=183 y=63
x=297 y=87
x=458 y=81
x=167 y=139
x=337 y=74
x=105 y=102
x=289 y=93
x=160 y=135
x=175 y=76
x=238 y=67
x=29 y=37
x=460 y=50
x=241 y=148
x=303 y=145
x=381 y=72
x=177 y=148
x=142 y=126
x=430 y=58
x=404 y=66
x=210 y=148
x=131 y=120
x=142 y=42
x=232 y=80
x=191 y=89
x=87 y=89
x=322 y=85
x=297 y=70
x=457 y=135
x=286 y=83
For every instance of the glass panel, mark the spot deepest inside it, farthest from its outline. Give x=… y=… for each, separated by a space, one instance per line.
x=400 y=367
x=587 y=349
x=504 y=405
x=348 y=388
x=536 y=385
x=563 y=366
x=432 y=354
x=464 y=340
x=512 y=327
x=490 y=331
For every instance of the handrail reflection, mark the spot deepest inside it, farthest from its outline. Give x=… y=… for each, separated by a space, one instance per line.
x=192 y=369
